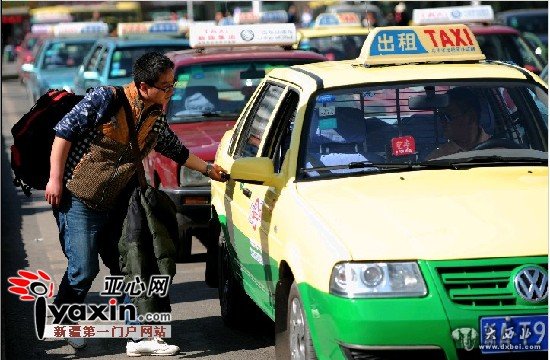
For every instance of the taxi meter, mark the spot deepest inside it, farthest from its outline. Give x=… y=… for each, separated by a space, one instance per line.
x=201 y=36
x=435 y=43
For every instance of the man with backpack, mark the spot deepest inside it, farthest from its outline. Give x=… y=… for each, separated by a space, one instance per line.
x=92 y=174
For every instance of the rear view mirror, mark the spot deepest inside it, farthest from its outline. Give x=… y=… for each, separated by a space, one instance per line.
x=428 y=102
x=252 y=73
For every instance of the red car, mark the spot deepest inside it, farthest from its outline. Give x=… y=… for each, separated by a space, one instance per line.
x=504 y=43
x=213 y=85
x=25 y=52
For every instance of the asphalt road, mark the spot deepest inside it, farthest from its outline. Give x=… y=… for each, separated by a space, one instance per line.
x=30 y=242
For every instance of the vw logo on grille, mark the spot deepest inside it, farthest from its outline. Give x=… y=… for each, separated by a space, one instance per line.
x=531 y=284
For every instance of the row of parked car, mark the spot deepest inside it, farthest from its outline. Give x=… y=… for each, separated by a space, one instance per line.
x=222 y=79
x=334 y=223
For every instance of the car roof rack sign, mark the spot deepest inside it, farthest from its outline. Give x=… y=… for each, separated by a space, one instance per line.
x=203 y=36
x=453 y=15
x=151 y=28
x=396 y=45
x=81 y=28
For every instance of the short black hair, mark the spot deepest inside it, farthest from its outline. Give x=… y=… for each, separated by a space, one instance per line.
x=465 y=98
x=150 y=66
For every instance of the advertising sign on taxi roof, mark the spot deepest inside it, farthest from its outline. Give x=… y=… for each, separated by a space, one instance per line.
x=420 y=44
x=451 y=15
x=81 y=28
x=152 y=28
x=242 y=35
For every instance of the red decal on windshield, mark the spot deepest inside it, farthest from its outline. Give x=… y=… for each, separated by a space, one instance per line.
x=403 y=145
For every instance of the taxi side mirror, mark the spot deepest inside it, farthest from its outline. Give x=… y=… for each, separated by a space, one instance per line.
x=254 y=170
x=91 y=75
x=27 y=68
x=428 y=102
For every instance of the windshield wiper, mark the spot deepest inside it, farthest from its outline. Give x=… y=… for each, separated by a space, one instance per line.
x=377 y=166
x=489 y=160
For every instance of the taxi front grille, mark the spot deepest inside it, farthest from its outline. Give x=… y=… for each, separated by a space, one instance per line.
x=485 y=285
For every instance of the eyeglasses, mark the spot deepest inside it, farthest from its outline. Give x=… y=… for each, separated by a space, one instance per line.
x=165 y=89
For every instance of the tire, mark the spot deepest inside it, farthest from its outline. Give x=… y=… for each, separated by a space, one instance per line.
x=212 y=239
x=230 y=291
x=185 y=241
x=294 y=342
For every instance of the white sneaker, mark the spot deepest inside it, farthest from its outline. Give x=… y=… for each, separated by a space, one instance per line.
x=77 y=343
x=154 y=346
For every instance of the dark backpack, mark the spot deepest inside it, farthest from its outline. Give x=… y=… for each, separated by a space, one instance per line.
x=33 y=137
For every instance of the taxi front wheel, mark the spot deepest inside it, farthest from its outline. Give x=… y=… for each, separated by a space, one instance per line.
x=295 y=341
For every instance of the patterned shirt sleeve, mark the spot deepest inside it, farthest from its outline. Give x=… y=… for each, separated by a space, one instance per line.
x=87 y=114
x=168 y=144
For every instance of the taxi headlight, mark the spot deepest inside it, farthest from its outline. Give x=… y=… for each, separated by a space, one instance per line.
x=190 y=177
x=362 y=280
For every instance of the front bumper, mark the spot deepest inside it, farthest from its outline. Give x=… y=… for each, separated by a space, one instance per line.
x=193 y=203
x=397 y=328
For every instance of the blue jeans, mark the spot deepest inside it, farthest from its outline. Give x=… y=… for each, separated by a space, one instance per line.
x=85 y=234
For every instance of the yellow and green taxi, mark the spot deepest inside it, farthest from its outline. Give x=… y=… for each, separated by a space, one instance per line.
x=348 y=226
x=336 y=36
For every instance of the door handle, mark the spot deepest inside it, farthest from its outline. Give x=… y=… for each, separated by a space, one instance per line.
x=246 y=192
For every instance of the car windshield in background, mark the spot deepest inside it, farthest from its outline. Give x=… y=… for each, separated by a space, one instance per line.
x=537 y=24
x=509 y=48
x=402 y=128
x=343 y=47
x=65 y=54
x=203 y=91
x=124 y=58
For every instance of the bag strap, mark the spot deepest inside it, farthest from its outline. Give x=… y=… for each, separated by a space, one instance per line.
x=121 y=96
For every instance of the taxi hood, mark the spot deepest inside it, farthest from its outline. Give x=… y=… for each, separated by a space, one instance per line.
x=202 y=137
x=435 y=214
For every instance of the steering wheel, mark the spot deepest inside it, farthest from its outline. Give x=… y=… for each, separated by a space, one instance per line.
x=495 y=143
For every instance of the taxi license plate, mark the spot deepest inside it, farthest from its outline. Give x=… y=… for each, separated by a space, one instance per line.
x=514 y=334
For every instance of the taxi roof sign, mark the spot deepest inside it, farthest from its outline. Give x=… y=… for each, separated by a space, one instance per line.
x=81 y=28
x=455 y=14
x=395 y=45
x=337 y=19
x=202 y=36
x=42 y=28
x=173 y=28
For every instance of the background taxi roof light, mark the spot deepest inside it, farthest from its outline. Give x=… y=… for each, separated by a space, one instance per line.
x=395 y=45
x=42 y=28
x=81 y=28
x=202 y=36
x=337 y=19
x=455 y=14
x=152 y=28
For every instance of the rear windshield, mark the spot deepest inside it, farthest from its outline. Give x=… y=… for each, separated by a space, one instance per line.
x=386 y=128
x=537 y=24
x=204 y=90
x=344 y=47
x=124 y=58
x=509 y=47
x=65 y=54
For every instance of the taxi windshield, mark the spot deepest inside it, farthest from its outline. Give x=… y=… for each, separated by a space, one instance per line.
x=65 y=54
x=425 y=125
x=205 y=90
x=123 y=58
x=341 y=47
